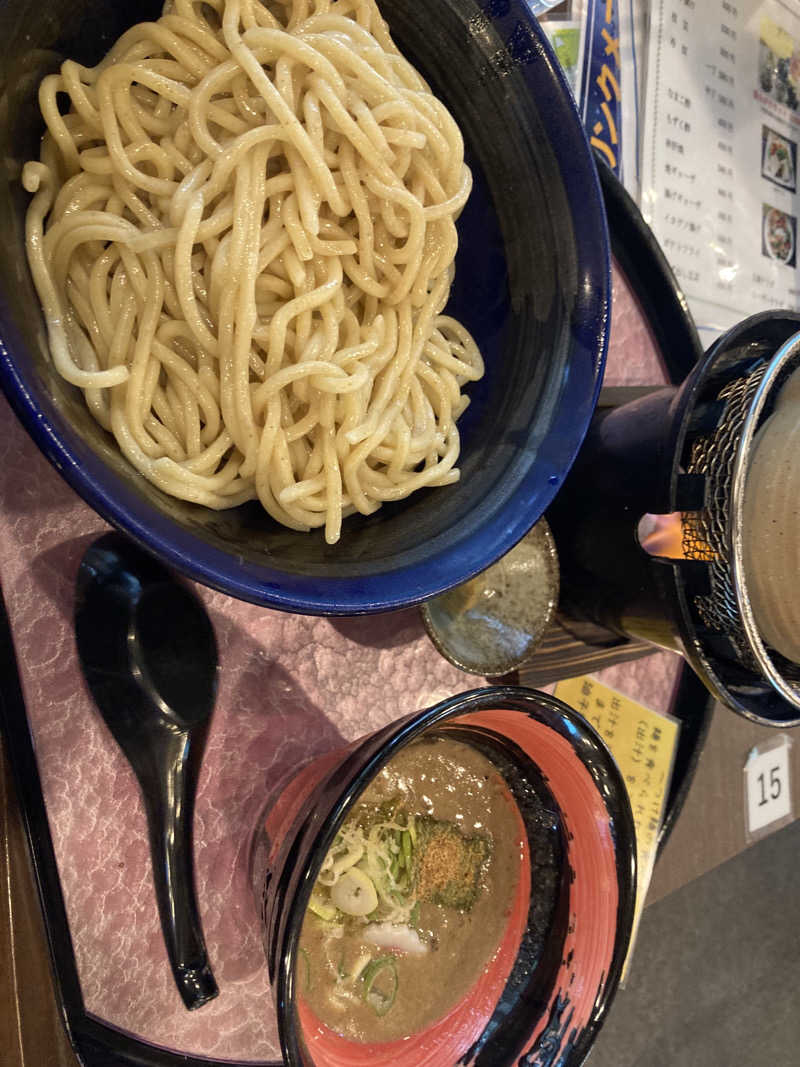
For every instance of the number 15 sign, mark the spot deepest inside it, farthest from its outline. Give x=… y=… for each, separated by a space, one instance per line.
x=768 y=786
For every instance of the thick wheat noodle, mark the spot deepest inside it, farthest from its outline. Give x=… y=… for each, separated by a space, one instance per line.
x=242 y=233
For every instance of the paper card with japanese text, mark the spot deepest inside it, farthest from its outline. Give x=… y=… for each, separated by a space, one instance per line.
x=720 y=154
x=643 y=743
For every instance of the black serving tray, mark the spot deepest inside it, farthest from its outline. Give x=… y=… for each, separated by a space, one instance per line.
x=561 y=655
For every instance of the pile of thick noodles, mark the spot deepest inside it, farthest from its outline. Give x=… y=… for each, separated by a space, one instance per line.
x=242 y=235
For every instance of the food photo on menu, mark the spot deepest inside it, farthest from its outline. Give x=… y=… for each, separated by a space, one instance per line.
x=779 y=235
x=778 y=159
x=779 y=64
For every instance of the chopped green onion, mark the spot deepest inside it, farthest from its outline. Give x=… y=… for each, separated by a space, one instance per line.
x=360 y=965
x=304 y=957
x=414 y=916
x=406 y=841
x=355 y=893
x=321 y=906
x=380 y=984
x=382 y=844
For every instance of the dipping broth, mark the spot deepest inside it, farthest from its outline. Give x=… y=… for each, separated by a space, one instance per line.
x=414 y=896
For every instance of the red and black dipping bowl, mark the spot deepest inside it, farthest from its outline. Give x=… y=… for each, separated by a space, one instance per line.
x=543 y=996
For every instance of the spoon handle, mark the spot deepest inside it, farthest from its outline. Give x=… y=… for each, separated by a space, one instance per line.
x=169 y=801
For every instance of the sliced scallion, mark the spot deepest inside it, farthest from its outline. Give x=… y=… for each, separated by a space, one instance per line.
x=406 y=841
x=321 y=905
x=380 y=984
x=355 y=893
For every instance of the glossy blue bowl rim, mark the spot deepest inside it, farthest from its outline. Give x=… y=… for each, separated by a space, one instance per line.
x=454 y=563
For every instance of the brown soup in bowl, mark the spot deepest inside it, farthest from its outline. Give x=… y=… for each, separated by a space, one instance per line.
x=414 y=895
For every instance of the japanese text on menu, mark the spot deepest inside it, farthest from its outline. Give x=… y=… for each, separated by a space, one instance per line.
x=643 y=743
x=720 y=152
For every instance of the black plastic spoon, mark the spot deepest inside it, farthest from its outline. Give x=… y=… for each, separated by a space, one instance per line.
x=148 y=653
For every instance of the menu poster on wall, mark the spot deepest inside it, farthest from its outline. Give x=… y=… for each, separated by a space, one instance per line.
x=720 y=153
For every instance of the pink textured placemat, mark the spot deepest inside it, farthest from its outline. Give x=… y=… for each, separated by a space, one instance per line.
x=633 y=357
x=290 y=687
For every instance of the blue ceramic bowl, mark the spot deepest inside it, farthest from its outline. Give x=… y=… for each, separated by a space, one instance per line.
x=532 y=285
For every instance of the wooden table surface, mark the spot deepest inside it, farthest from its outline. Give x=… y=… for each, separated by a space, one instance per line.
x=31 y=1031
